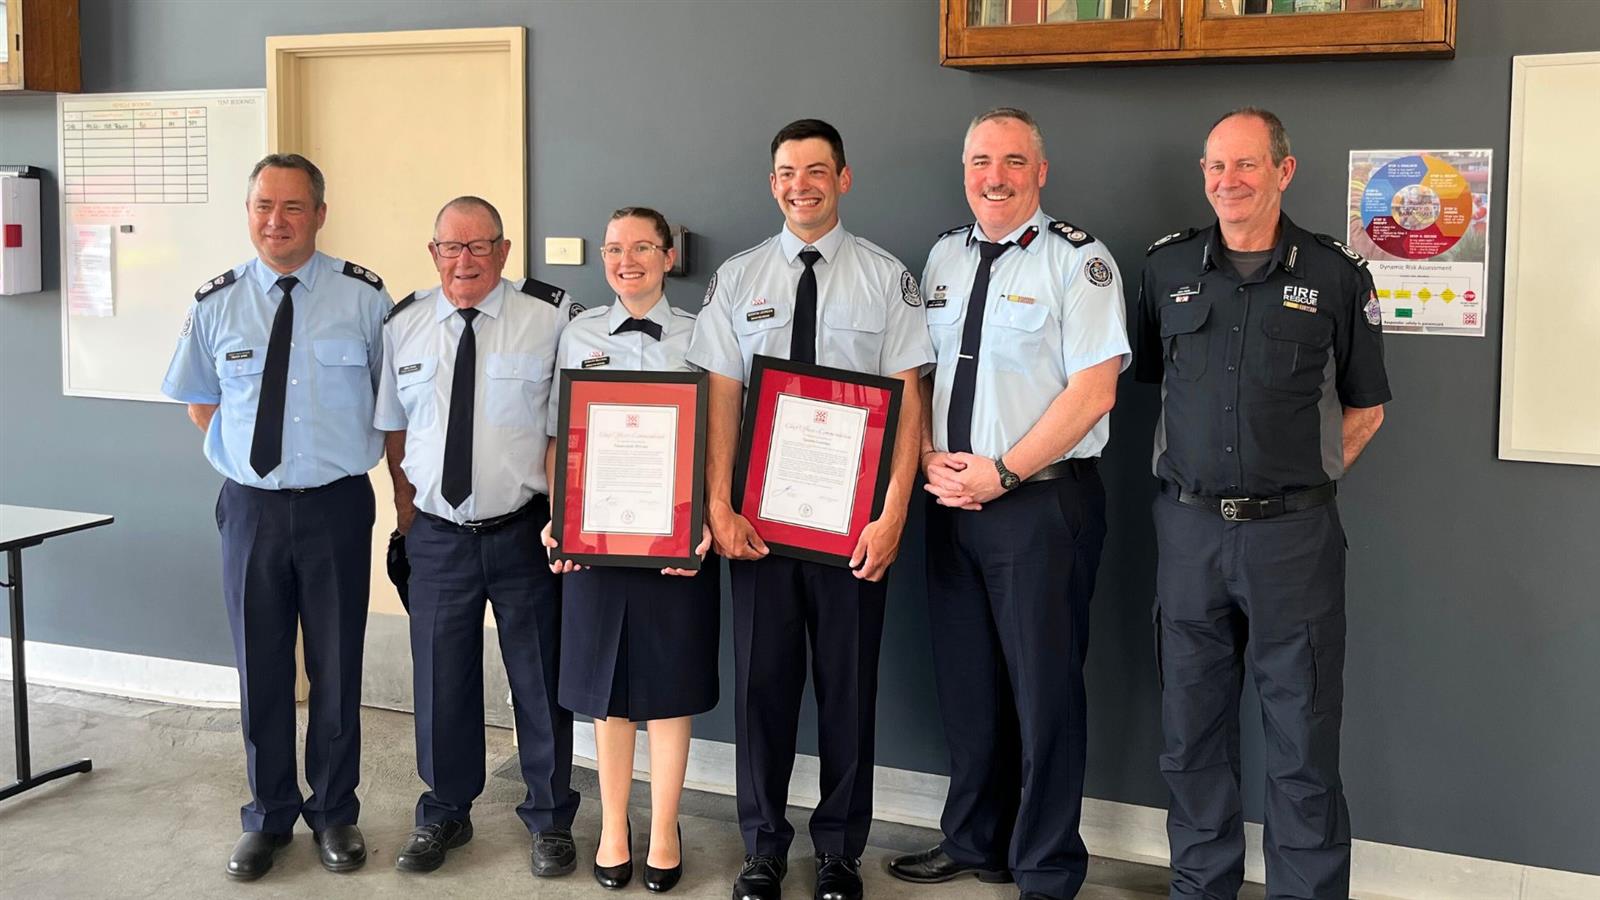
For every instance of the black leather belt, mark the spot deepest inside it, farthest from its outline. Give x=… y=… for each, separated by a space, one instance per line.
x=483 y=526
x=1246 y=509
x=1077 y=467
x=309 y=490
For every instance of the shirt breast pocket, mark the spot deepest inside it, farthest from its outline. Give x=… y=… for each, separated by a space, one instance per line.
x=343 y=378
x=1016 y=339
x=1295 y=350
x=944 y=327
x=763 y=329
x=513 y=397
x=414 y=384
x=1184 y=341
x=856 y=331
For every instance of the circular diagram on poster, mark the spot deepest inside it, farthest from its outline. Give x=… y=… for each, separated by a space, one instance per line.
x=1416 y=207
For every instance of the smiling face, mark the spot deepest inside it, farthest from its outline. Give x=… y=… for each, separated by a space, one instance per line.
x=807 y=183
x=467 y=279
x=1004 y=171
x=1242 y=183
x=284 y=219
x=636 y=276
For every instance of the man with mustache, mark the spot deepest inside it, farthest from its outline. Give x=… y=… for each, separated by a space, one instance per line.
x=1026 y=315
x=813 y=293
x=1267 y=342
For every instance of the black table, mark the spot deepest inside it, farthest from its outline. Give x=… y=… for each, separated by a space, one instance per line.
x=20 y=527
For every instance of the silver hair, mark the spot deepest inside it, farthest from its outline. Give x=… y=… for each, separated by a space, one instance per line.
x=1006 y=112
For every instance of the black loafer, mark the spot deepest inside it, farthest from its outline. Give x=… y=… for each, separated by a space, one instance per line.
x=932 y=866
x=838 y=877
x=554 y=854
x=761 y=878
x=341 y=847
x=615 y=878
x=252 y=854
x=426 y=846
x=659 y=881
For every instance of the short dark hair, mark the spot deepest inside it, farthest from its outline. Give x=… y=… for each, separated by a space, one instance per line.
x=663 y=230
x=805 y=129
x=1277 y=137
x=319 y=186
x=467 y=201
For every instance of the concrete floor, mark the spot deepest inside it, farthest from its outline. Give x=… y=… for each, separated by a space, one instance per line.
x=159 y=814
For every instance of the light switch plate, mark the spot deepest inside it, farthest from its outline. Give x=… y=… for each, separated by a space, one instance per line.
x=563 y=251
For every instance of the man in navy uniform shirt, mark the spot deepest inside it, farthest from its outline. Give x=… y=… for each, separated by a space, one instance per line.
x=1267 y=341
x=278 y=361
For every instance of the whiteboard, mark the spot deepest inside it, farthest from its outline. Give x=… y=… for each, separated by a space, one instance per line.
x=1550 y=370
x=161 y=178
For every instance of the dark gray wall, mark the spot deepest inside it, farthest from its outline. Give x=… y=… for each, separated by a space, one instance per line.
x=1471 y=713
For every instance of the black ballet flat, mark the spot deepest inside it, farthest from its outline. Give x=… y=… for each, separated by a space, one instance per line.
x=615 y=878
x=659 y=881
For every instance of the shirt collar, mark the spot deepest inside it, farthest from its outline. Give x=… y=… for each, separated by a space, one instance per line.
x=491 y=305
x=828 y=245
x=1038 y=222
x=1287 y=252
x=267 y=277
x=661 y=314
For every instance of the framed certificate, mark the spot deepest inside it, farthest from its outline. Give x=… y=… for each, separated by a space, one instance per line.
x=814 y=456
x=630 y=468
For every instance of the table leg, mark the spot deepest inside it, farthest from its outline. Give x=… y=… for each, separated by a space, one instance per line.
x=19 y=690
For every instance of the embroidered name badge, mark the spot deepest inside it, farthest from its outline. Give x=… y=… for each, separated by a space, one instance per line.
x=1301 y=298
x=240 y=354
x=1182 y=294
x=760 y=314
x=407 y=370
x=595 y=362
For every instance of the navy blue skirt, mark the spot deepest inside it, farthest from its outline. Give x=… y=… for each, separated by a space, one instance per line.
x=639 y=645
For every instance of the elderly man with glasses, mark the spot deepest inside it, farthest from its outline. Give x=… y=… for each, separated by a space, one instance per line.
x=466 y=380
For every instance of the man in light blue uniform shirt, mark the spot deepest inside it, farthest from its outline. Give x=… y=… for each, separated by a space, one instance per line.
x=813 y=293
x=1027 y=317
x=278 y=362
x=464 y=394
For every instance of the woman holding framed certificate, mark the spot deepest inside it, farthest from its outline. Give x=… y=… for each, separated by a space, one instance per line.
x=639 y=625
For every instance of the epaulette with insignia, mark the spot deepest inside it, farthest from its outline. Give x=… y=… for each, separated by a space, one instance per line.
x=545 y=291
x=221 y=281
x=1355 y=258
x=1175 y=237
x=956 y=230
x=361 y=274
x=1076 y=236
x=395 y=309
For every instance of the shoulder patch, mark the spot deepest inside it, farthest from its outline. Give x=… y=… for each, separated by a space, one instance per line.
x=545 y=291
x=395 y=309
x=362 y=274
x=221 y=281
x=574 y=310
x=1075 y=236
x=1173 y=238
x=908 y=290
x=1355 y=258
x=959 y=229
x=711 y=291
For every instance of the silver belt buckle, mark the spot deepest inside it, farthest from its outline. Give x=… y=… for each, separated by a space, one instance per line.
x=1230 y=507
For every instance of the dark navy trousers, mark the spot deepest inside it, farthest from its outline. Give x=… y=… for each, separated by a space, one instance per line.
x=298 y=558
x=778 y=603
x=1266 y=597
x=453 y=574
x=1008 y=598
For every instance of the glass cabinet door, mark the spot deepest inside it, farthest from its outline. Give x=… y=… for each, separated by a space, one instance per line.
x=1029 y=32
x=1303 y=27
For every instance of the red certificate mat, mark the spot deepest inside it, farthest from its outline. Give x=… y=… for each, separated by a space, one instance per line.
x=630 y=468
x=814 y=456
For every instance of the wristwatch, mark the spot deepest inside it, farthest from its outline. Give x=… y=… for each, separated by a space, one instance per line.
x=1008 y=478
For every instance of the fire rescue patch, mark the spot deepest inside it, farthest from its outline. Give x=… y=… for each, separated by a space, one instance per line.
x=908 y=290
x=1374 y=311
x=188 y=325
x=711 y=290
x=1098 y=271
x=574 y=310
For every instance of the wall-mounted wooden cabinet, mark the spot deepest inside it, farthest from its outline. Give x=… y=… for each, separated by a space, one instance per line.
x=977 y=34
x=41 y=46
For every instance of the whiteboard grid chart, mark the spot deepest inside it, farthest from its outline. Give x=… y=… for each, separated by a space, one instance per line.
x=155 y=154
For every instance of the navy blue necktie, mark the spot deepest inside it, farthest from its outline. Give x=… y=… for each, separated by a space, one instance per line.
x=266 y=444
x=456 y=483
x=958 y=425
x=645 y=325
x=803 y=335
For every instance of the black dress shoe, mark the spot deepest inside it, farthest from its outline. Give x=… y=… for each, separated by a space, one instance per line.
x=252 y=854
x=555 y=854
x=426 y=846
x=838 y=877
x=761 y=878
x=659 y=881
x=341 y=847
x=932 y=866
x=615 y=878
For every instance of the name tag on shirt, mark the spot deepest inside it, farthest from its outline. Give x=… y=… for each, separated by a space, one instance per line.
x=414 y=367
x=1182 y=295
x=241 y=354
x=760 y=314
x=595 y=362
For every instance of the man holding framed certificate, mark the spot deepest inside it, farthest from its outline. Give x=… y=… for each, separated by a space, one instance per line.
x=813 y=294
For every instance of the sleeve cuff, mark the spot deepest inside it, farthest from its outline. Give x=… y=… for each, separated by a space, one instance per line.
x=736 y=372
x=1365 y=400
x=1079 y=363
x=182 y=396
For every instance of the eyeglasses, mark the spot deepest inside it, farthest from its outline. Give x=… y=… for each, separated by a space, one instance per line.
x=452 y=249
x=643 y=248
